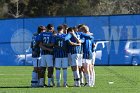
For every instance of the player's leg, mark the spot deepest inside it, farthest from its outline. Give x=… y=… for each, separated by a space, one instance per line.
x=82 y=77
x=49 y=59
x=57 y=67
x=34 y=81
x=69 y=59
x=81 y=69
x=75 y=70
x=89 y=61
x=84 y=73
x=65 y=66
x=53 y=82
x=87 y=71
x=42 y=70
x=91 y=74
x=38 y=68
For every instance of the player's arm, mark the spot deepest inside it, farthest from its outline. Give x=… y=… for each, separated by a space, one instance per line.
x=82 y=40
x=74 y=44
x=75 y=37
x=67 y=37
x=49 y=45
x=43 y=47
x=87 y=35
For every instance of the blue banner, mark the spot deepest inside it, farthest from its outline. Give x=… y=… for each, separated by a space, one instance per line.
x=117 y=38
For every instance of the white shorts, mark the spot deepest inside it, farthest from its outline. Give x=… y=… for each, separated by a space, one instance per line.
x=46 y=61
x=75 y=60
x=36 y=62
x=87 y=61
x=93 y=57
x=69 y=59
x=61 y=62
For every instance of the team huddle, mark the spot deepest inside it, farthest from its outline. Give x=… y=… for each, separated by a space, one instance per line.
x=73 y=46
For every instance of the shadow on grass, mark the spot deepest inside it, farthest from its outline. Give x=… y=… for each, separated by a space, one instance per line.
x=29 y=87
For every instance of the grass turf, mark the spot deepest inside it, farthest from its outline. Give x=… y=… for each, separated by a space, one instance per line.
x=126 y=79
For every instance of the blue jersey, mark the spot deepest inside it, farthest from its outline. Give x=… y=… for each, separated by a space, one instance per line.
x=60 y=46
x=75 y=49
x=79 y=35
x=84 y=35
x=46 y=38
x=35 y=46
x=87 y=48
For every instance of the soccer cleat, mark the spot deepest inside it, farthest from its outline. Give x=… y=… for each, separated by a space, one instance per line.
x=49 y=86
x=77 y=86
x=82 y=84
x=87 y=85
x=45 y=85
x=65 y=85
x=53 y=84
x=40 y=86
x=34 y=84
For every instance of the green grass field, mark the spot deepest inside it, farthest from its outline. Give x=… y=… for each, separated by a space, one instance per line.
x=16 y=79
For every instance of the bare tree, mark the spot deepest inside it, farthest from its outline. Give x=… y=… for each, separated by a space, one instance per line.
x=16 y=8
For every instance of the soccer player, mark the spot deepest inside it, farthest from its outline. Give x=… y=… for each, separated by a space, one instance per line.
x=82 y=36
x=61 y=56
x=50 y=28
x=45 y=43
x=77 y=30
x=87 y=57
x=75 y=49
x=36 y=57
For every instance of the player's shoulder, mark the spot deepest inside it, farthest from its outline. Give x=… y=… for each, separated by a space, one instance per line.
x=64 y=35
x=59 y=36
x=50 y=33
x=40 y=34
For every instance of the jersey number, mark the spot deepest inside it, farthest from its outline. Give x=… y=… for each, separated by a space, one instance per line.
x=60 y=43
x=46 y=40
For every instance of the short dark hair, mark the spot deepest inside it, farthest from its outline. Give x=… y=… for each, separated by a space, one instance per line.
x=40 y=28
x=59 y=28
x=69 y=29
x=65 y=26
x=49 y=26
